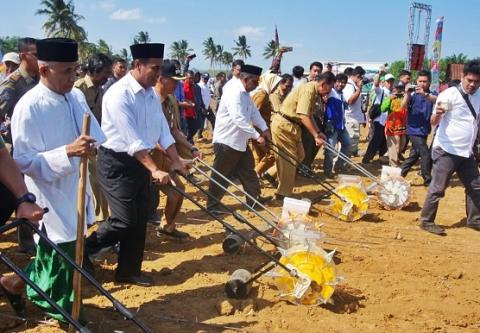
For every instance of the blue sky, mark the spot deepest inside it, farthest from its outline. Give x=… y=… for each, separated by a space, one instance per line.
x=345 y=30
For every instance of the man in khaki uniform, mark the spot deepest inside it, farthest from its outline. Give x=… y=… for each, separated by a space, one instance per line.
x=297 y=110
x=99 y=69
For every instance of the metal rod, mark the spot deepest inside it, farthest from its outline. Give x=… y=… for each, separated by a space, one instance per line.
x=309 y=172
x=238 y=188
x=292 y=272
x=116 y=304
x=272 y=224
x=237 y=216
x=43 y=295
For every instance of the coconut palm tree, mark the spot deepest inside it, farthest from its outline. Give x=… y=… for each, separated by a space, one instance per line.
x=124 y=54
x=219 y=55
x=227 y=59
x=457 y=59
x=210 y=50
x=179 y=50
x=62 y=20
x=9 y=44
x=242 y=49
x=141 y=37
x=270 y=50
x=103 y=47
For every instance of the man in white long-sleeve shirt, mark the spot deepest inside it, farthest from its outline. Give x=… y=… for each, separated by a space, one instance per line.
x=234 y=127
x=134 y=124
x=46 y=132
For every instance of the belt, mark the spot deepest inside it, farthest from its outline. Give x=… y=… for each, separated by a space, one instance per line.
x=290 y=119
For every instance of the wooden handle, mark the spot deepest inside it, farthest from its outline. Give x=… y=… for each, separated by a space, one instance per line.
x=82 y=187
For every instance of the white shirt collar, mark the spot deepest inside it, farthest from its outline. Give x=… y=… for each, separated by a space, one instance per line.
x=47 y=91
x=136 y=87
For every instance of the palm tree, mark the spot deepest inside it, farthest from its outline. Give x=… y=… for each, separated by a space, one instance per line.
x=457 y=59
x=179 y=50
x=227 y=58
x=103 y=47
x=141 y=37
x=219 y=54
x=210 y=50
x=242 y=49
x=62 y=20
x=270 y=50
x=9 y=44
x=124 y=55
x=86 y=50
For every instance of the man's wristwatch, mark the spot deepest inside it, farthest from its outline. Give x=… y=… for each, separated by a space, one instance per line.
x=27 y=197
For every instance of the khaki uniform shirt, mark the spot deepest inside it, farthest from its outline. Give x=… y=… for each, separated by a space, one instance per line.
x=277 y=99
x=262 y=102
x=12 y=89
x=301 y=101
x=93 y=95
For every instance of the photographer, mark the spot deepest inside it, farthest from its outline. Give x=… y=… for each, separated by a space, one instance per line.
x=457 y=116
x=419 y=102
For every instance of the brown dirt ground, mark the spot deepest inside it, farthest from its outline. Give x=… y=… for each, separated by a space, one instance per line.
x=397 y=277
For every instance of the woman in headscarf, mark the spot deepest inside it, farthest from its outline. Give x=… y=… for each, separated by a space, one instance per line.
x=264 y=159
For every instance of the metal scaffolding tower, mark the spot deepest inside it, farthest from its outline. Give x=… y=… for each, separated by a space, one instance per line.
x=416 y=10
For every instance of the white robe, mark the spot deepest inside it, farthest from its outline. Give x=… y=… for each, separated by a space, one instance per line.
x=43 y=123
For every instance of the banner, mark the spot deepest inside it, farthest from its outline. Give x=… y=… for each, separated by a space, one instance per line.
x=436 y=54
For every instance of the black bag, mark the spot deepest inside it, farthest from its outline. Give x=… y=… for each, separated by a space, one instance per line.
x=375 y=109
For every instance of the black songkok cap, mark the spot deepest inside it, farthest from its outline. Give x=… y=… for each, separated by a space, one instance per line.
x=147 y=50
x=251 y=69
x=57 y=49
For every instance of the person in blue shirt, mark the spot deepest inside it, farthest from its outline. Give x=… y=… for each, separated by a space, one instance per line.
x=334 y=125
x=419 y=102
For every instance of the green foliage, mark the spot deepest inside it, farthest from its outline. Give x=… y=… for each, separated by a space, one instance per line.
x=242 y=49
x=9 y=44
x=270 y=50
x=179 y=50
x=62 y=21
x=210 y=51
x=103 y=47
x=396 y=67
x=141 y=37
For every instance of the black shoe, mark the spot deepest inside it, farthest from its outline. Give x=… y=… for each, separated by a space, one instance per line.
x=155 y=218
x=433 y=229
x=279 y=197
x=260 y=199
x=176 y=234
x=16 y=301
x=329 y=175
x=270 y=179
x=474 y=226
x=141 y=280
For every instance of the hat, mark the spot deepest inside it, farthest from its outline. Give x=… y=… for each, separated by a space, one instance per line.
x=205 y=76
x=170 y=70
x=251 y=69
x=12 y=57
x=57 y=49
x=389 y=77
x=147 y=50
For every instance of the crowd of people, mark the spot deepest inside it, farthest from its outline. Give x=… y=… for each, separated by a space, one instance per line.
x=146 y=118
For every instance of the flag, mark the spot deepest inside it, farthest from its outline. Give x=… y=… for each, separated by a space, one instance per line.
x=436 y=54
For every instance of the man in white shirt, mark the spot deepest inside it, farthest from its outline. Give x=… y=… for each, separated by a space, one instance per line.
x=453 y=146
x=46 y=133
x=207 y=113
x=378 y=141
x=134 y=124
x=236 y=118
x=354 y=116
x=236 y=69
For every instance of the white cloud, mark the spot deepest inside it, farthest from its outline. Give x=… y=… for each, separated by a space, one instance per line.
x=161 y=19
x=127 y=14
x=249 y=31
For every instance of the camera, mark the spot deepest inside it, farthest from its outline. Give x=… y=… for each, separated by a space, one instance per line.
x=412 y=87
x=191 y=56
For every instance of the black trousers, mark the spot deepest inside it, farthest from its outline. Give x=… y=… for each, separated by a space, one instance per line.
x=420 y=151
x=126 y=185
x=444 y=165
x=378 y=143
x=309 y=146
x=228 y=161
x=192 y=127
x=210 y=117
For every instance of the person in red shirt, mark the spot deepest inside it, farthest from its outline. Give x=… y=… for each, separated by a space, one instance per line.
x=190 y=114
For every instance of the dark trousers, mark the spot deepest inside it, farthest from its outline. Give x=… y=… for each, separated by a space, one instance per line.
x=126 y=185
x=419 y=150
x=210 y=117
x=444 y=165
x=378 y=143
x=192 y=127
x=228 y=161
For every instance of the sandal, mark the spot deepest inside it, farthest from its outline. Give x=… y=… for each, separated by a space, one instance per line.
x=177 y=234
x=16 y=301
